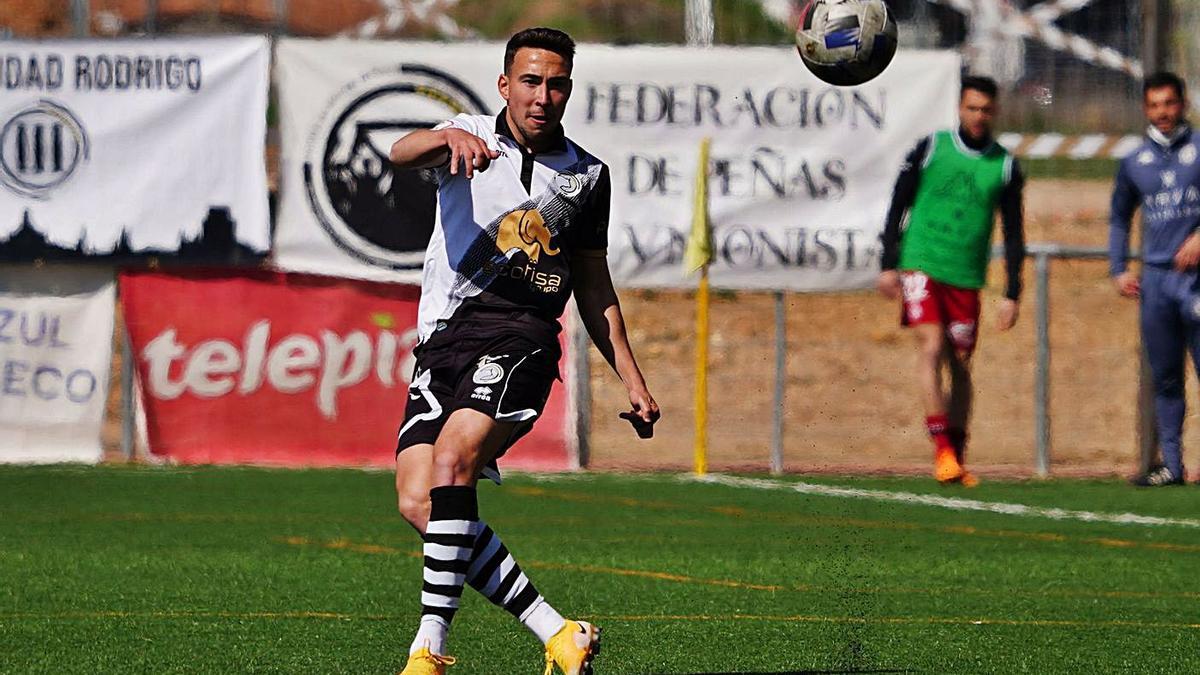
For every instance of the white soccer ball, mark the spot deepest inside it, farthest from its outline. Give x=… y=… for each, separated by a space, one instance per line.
x=846 y=42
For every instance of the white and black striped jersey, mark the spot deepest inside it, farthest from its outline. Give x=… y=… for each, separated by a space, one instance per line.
x=503 y=240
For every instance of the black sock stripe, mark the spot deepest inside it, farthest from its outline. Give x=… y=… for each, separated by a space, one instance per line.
x=446 y=613
x=439 y=589
x=455 y=540
x=453 y=502
x=482 y=540
x=489 y=568
x=506 y=585
x=452 y=566
x=523 y=600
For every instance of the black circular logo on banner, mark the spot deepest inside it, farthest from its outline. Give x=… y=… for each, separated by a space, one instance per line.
x=41 y=146
x=380 y=214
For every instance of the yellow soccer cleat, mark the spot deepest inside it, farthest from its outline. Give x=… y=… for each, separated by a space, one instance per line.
x=425 y=662
x=572 y=648
x=946 y=468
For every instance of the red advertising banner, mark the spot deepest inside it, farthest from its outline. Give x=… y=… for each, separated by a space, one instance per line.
x=286 y=369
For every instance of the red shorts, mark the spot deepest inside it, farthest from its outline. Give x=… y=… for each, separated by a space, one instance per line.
x=929 y=301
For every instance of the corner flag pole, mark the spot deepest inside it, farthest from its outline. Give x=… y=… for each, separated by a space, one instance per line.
x=701 y=394
x=698 y=256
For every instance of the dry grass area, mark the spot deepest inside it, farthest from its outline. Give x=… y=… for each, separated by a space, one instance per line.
x=850 y=401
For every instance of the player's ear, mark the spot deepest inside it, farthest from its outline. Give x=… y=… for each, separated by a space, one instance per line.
x=502 y=86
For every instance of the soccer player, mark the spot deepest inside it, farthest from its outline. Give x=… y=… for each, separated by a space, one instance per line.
x=522 y=223
x=1162 y=176
x=950 y=186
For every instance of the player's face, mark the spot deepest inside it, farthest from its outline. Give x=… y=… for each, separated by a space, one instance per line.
x=976 y=112
x=1164 y=108
x=536 y=87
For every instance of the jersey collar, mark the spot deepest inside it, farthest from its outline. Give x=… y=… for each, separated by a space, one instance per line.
x=1167 y=141
x=558 y=142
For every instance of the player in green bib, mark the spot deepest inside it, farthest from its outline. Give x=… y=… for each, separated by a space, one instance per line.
x=950 y=188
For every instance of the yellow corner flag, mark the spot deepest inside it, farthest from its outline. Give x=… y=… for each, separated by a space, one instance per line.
x=699 y=252
x=698 y=256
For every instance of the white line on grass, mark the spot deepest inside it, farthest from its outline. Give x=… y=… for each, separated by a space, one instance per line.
x=954 y=503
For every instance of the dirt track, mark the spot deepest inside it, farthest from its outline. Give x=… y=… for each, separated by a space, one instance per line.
x=850 y=403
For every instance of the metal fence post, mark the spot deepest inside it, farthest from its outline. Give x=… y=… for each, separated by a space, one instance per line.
x=780 y=384
x=81 y=17
x=128 y=415
x=1042 y=377
x=699 y=26
x=281 y=17
x=580 y=374
x=1147 y=427
x=150 y=25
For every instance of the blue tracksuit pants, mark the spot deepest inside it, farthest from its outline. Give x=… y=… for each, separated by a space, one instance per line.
x=1170 y=321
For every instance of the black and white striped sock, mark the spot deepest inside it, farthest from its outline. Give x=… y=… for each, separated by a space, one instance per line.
x=449 y=541
x=496 y=574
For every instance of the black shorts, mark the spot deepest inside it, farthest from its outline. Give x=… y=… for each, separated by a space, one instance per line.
x=480 y=366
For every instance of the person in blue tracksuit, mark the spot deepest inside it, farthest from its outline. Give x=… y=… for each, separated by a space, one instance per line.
x=1162 y=177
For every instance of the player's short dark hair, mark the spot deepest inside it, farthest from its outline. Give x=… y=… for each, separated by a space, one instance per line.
x=550 y=39
x=1164 y=79
x=984 y=85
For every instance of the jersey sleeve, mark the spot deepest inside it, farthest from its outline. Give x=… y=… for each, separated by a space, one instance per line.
x=1012 y=222
x=460 y=121
x=1120 y=219
x=591 y=232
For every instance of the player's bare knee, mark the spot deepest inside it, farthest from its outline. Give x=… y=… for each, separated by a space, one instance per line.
x=414 y=508
x=453 y=459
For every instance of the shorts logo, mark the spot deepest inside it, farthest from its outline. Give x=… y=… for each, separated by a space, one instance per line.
x=482 y=394
x=525 y=230
x=380 y=215
x=488 y=371
x=962 y=333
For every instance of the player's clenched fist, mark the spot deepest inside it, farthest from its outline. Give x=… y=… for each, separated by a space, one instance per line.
x=469 y=151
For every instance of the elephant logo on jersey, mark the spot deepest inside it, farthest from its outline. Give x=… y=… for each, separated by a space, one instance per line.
x=525 y=230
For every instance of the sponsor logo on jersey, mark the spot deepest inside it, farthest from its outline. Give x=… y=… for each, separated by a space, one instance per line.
x=525 y=230
x=482 y=394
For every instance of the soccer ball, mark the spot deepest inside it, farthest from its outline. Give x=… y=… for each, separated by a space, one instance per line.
x=846 y=42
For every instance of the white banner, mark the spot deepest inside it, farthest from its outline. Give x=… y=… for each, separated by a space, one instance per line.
x=56 y=327
x=134 y=147
x=801 y=171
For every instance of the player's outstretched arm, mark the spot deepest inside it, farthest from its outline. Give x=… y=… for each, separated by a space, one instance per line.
x=600 y=311
x=428 y=148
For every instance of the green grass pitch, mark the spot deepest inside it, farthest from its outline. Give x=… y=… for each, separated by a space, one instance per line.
x=216 y=570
